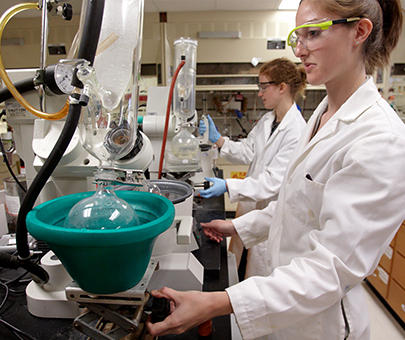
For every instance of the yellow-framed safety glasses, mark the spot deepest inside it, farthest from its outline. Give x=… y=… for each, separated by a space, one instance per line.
x=311 y=34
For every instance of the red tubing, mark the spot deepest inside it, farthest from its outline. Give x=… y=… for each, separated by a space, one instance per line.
x=169 y=104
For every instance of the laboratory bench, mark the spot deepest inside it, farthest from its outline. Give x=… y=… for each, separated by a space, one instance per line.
x=213 y=257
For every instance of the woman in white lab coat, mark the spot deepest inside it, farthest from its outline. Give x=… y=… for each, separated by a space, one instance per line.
x=341 y=201
x=267 y=149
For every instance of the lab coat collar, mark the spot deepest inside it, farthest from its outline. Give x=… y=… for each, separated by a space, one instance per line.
x=289 y=116
x=269 y=117
x=364 y=97
x=353 y=108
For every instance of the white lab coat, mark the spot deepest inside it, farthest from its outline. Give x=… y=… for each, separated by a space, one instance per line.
x=340 y=205
x=268 y=157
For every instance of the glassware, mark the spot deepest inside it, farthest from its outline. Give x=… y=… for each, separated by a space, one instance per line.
x=152 y=188
x=103 y=210
x=108 y=124
x=184 y=144
x=184 y=91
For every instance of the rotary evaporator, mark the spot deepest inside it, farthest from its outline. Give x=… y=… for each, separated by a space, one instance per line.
x=179 y=152
x=103 y=240
x=182 y=153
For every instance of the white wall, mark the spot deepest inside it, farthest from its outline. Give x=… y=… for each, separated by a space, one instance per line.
x=255 y=27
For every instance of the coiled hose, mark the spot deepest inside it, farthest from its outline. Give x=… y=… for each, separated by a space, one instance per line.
x=5 y=18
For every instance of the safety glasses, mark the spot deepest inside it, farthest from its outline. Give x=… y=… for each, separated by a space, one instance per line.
x=264 y=85
x=311 y=34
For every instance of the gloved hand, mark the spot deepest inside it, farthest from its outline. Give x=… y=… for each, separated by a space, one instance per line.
x=213 y=134
x=216 y=190
x=202 y=128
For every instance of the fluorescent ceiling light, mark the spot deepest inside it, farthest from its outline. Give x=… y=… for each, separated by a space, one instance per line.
x=289 y=4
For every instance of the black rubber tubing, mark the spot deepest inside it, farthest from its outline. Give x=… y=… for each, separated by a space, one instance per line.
x=22 y=87
x=87 y=51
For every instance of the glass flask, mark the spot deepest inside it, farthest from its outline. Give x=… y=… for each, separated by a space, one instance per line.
x=152 y=188
x=103 y=210
x=184 y=144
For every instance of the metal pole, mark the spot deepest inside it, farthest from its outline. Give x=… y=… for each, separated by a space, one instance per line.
x=44 y=44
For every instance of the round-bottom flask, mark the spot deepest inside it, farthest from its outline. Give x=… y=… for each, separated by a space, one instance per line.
x=185 y=144
x=103 y=210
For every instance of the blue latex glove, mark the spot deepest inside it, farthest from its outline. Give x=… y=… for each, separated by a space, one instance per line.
x=202 y=128
x=213 y=134
x=216 y=190
x=238 y=113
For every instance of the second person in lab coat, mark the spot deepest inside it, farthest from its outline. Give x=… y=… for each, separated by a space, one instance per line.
x=267 y=149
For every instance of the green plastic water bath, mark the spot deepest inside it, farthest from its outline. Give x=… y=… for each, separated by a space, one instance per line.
x=104 y=261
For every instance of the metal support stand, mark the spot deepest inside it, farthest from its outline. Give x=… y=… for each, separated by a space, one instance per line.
x=101 y=322
x=113 y=316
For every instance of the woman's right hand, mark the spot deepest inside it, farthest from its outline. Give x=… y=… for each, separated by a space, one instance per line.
x=216 y=230
x=213 y=134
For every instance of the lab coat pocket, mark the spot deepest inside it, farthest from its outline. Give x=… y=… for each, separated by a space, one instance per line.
x=306 y=202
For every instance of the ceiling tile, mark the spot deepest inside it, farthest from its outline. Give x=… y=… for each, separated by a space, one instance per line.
x=184 y=5
x=150 y=6
x=243 y=5
x=171 y=6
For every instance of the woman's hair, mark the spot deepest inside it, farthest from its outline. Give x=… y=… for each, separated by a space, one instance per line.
x=386 y=16
x=283 y=70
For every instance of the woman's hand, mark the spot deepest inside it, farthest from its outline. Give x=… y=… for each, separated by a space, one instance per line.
x=188 y=309
x=216 y=230
x=216 y=190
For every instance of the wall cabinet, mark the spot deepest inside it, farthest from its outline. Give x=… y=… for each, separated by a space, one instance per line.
x=389 y=277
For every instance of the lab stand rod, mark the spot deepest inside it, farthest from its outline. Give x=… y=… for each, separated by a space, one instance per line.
x=44 y=44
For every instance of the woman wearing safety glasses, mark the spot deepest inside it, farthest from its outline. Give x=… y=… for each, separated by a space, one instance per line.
x=267 y=149
x=341 y=201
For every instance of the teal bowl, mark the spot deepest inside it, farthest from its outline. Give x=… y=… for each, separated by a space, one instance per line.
x=103 y=261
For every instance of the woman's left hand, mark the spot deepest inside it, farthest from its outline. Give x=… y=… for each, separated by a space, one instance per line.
x=216 y=230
